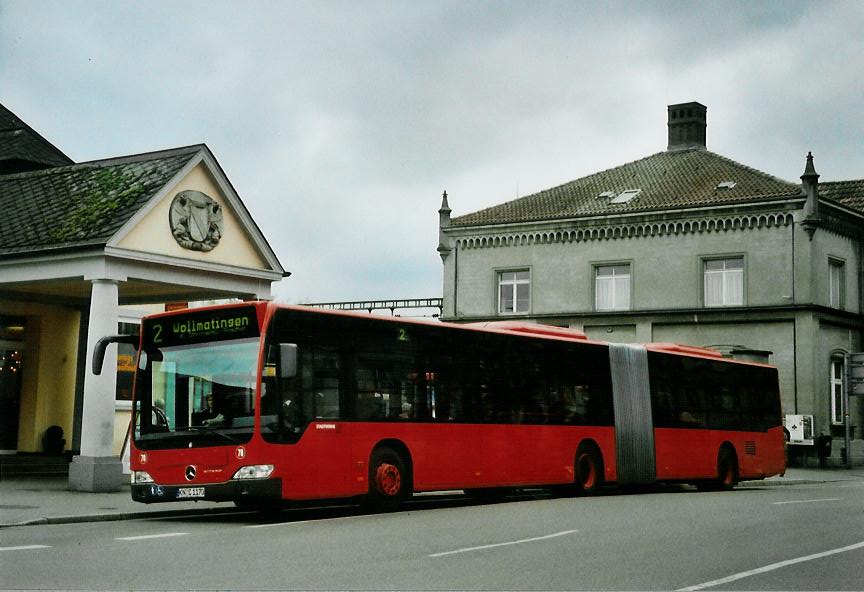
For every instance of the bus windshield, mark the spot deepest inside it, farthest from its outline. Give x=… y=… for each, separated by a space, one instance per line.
x=202 y=392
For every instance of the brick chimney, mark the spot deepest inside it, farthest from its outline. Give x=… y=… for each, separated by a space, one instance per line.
x=687 y=123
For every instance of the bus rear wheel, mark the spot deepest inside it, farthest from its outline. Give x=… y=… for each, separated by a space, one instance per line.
x=727 y=473
x=588 y=470
x=389 y=483
x=727 y=470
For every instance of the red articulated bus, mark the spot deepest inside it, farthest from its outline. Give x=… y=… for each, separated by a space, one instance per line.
x=258 y=402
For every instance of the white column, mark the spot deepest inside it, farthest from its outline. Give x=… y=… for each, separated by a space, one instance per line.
x=97 y=469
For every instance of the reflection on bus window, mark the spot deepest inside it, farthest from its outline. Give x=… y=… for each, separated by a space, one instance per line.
x=202 y=385
x=289 y=405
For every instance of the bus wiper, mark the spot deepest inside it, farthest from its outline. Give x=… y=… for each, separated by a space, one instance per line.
x=206 y=430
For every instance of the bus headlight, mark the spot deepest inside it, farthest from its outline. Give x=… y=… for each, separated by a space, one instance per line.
x=141 y=477
x=254 y=472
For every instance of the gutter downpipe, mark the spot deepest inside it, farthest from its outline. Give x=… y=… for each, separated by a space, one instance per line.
x=455 y=279
x=794 y=327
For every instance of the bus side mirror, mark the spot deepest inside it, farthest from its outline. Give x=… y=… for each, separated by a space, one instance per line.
x=287 y=360
x=102 y=345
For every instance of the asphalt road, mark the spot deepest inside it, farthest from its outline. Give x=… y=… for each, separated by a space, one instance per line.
x=803 y=537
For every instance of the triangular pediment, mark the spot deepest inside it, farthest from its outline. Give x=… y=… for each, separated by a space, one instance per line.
x=197 y=217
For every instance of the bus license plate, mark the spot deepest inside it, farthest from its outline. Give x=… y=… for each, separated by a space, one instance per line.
x=190 y=492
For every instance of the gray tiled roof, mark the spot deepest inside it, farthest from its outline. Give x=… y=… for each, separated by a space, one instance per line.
x=848 y=193
x=671 y=179
x=19 y=143
x=83 y=204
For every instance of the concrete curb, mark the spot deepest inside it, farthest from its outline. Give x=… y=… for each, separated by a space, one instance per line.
x=787 y=482
x=82 y=518
x=759 y=484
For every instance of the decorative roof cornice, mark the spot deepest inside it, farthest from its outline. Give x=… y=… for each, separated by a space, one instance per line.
x=514 y=237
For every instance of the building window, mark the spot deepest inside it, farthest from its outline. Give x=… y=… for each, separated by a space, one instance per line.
x=837 y=409
x=514 y=291
x=836 y=283
x=724 y=281
x=126 y=360
x=612 y=287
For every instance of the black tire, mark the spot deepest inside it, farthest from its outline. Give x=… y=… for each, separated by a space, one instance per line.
x=587 y=470
x=727 y=472
x=389 y=481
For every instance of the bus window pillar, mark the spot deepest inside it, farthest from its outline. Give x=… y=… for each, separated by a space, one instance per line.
x=96 y=469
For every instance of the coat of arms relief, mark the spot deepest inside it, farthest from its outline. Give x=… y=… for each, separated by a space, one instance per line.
x=196 y=221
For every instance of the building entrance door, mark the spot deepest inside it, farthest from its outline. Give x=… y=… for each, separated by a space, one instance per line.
x=10 y=397
x=11 y=354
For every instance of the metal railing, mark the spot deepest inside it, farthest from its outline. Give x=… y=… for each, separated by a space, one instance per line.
x=391 y=305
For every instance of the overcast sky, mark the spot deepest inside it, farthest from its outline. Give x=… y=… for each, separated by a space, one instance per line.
x=340 y=123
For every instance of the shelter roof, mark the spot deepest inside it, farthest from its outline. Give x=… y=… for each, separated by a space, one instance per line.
x=81 y=205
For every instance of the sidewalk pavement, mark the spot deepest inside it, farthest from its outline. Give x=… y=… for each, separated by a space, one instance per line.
x=47 y=500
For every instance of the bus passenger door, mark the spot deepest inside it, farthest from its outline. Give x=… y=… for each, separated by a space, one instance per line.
x=308 y=419
x=452 y=446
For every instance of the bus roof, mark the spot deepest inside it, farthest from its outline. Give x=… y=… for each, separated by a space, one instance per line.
x=531 y=329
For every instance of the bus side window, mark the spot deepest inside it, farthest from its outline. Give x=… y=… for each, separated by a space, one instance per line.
x=369 y=404
x=322 y=396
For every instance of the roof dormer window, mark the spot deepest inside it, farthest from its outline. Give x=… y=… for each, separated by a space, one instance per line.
x=726 y=185
x=626 y=196
x=606 y=194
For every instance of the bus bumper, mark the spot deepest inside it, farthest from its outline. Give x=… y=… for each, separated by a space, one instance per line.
x=238 y=490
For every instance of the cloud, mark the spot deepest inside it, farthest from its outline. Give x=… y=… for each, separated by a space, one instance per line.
x=340 y=123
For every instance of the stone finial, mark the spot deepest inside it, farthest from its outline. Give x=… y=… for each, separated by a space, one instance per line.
x=810 y=186
x=445 y=207
x=809 y=169
x=443 y=223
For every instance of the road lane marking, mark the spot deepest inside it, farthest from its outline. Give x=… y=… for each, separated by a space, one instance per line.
x=312 y=521
x=272 y=524
x=25 y=547
x=827 y=499
x=151 y=536
x=772 y=567
x=519 y=542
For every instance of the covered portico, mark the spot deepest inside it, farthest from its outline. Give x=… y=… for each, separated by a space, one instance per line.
x=83 y=243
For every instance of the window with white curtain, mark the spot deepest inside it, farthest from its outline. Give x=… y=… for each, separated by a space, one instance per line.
x=837 y=390
x=724 y=281
x=514 y=291
x=836 y=280
x=612 y=287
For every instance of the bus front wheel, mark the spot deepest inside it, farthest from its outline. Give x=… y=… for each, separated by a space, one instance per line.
x=588 y=470
x=389 y=483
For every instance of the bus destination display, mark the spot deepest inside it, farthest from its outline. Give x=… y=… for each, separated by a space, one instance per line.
x=199 y=327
